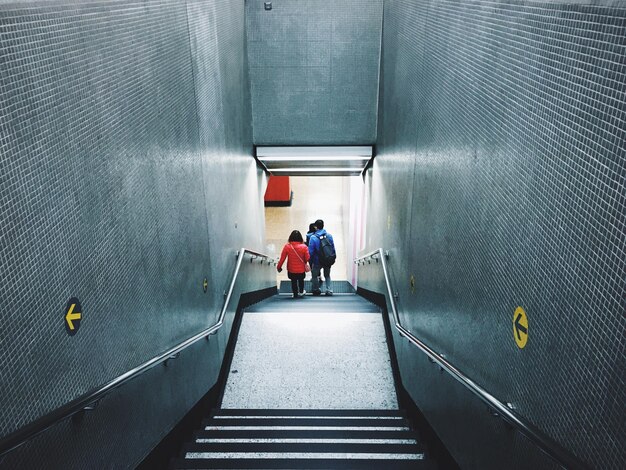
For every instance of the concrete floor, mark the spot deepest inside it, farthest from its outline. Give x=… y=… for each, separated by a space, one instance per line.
x=304 y=359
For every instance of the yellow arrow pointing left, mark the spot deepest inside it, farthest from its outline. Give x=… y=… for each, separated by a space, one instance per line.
x=71 y=316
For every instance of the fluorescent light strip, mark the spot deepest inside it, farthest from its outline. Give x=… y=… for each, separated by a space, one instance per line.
x=315 y=170
x=314 y=158
x=362 y=150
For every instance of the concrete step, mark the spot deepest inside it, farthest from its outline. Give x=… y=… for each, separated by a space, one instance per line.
x=299 y=449
x=307 y=435
x=338 y=287
x=365 y=413
x=304 y=463
x=304 y=438
x=305 y=421
x=338 y=303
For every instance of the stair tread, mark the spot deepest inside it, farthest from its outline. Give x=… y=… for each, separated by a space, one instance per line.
x=306 y=412
x=337 y=304
x=304 y=434
x=366 y=422
x=298 y=447
x=313 y=464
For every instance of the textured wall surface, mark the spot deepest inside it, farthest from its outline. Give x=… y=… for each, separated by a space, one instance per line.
x=500 y=182
x=126 y=159
x=314 y=71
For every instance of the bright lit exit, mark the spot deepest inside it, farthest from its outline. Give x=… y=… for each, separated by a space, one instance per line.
x=310 y=183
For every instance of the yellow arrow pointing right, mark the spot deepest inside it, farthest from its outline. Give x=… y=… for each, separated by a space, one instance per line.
x=71 y=316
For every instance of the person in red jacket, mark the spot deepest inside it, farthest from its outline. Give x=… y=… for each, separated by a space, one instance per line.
x=297 y=255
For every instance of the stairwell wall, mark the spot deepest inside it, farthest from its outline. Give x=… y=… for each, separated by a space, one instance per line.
x=500 y=182
x=314 y=71
x=126 y=180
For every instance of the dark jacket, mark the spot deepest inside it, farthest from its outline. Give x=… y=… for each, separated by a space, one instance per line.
x=314 y=245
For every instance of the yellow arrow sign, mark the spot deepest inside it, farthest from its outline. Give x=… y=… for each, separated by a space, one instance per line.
x=520 y=327
x=71 y=316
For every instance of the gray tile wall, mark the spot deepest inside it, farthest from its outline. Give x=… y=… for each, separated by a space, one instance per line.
x=500 y=182
x=126 y=179
x=314 y=71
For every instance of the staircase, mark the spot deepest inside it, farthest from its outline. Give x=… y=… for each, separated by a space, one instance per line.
x=310 y=387
x=304 y=439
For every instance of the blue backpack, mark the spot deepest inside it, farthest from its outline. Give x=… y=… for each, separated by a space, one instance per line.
x=326 y=254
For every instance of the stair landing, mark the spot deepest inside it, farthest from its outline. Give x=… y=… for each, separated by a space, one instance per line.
x=311 y=353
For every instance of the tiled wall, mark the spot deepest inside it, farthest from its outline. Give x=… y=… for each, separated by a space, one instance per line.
x=314 y=71
x=500 y=182
x=125 y=133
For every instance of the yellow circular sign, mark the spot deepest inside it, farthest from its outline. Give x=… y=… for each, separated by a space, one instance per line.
x=520 y=327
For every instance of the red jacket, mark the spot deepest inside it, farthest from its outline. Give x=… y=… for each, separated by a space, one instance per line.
x=295 y=264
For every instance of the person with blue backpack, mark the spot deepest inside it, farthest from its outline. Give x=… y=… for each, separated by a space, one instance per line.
x=323 y=256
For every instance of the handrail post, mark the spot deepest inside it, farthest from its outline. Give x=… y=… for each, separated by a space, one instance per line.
x=392 y=297
x=229 y=292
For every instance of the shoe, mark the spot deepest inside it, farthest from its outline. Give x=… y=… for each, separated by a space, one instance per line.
x=303 y=293
x=316 y=292
x=329 y=293
x=294 y=296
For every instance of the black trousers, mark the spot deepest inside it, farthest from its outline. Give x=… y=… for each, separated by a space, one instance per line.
x=297 y=282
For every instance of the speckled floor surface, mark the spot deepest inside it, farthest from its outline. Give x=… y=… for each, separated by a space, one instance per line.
x=311 y=353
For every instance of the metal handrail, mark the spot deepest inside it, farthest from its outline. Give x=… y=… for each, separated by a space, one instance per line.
x=548 y=445
x=89 y=400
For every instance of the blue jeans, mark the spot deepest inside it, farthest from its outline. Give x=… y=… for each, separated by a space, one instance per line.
x=316 y=270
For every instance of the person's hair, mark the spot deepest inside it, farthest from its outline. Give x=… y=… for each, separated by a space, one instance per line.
x=295 y=236
x=312 y=228
x=319 y=223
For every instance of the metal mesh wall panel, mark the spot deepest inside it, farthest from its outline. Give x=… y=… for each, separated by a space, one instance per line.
x=314 y=71
x=124 y=135
x=127 y=423
x=507 y=121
